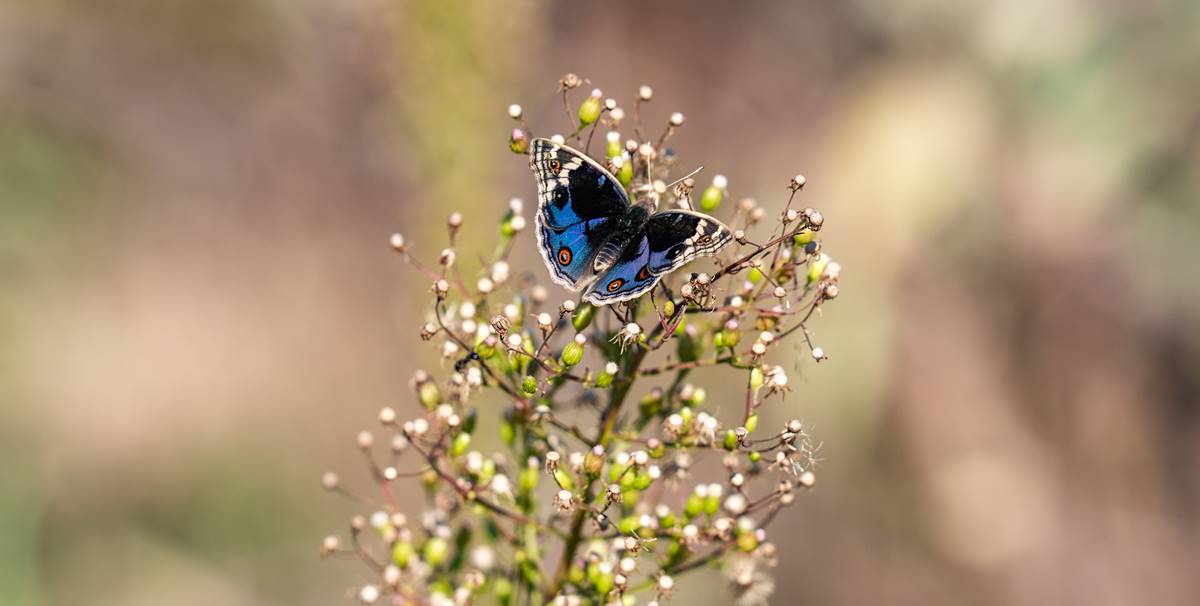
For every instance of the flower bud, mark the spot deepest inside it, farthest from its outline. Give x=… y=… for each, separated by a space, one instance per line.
x=461 y=442
x=572 y=354
x=589 y=110
x=435 y=551
x=713 y=194
x=816 y=268
x=613 y=146
x=731 y=440
x=402 y=553
x=529 y=386
x=518 y=142
x=625 y=172
x=583 y=316
x=593 y=461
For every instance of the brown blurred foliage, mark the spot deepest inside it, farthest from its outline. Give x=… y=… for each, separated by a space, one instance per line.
x=199 y=306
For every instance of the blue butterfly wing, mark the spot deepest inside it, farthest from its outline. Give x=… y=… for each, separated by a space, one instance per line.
x=675 y=237
x=577 y=200
x=568 y=251
x=628 y=278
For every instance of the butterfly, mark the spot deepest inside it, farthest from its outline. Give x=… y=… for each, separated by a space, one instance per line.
x=592 y=238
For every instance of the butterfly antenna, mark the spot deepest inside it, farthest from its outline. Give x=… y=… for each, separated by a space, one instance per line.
x=685 y=177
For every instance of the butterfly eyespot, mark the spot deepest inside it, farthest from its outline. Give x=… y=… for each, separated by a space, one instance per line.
x=564 y=255
x=615 y=284
x=553 y=164
x=643 y=273
x=705 y=239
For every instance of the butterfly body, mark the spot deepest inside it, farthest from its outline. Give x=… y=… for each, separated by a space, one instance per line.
x=593 y=239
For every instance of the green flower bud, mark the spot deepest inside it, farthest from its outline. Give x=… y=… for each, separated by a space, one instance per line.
x=625 y=174
x=755 y=275
x=435 y=551
x=756 y=378
x=402 y=552
x=572 y=354
x=593 y=462
x=711 y=198
x=804 y=237
x=429 y=479
x=730 y=338
x=428 y=394
x=462 y=441
x=488 y=471
x=576 y=575
x=731 y=442
x=583 y=316
x=529 y=385
x=657 y=449
x=614 y=147
x=628 y=524
x=699 y=395
x=564 y=479
x=693 y=506
x=502 y=588
x=518 y=141
x=747 y=542
x=604 y=379
x=603 y=582
x=486 y=348
x=642 y=481
x=755 y=456
x=687 y=415
x=817 y=267
x=752 y=422
x=712 y=504
x=527 y=479
x=668 y=520
x=589 y=110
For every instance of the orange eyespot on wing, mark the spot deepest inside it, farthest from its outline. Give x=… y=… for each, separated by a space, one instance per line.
x=705 y=239
x=615 y=285
x=564 y=256
x=643 y=273
x=553 y=164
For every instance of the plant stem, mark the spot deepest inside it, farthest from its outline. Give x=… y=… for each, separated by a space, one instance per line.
x=620 y=390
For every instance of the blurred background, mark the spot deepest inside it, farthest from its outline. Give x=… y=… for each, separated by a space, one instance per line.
x=199 y=309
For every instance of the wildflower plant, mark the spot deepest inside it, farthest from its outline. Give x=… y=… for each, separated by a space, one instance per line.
x=601 y=497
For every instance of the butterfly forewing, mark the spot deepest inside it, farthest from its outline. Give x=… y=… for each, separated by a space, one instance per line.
x=577 y=199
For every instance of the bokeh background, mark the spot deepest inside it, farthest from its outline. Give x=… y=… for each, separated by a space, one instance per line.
x=198 y=307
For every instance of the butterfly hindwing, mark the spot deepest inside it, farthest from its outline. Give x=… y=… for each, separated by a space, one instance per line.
x=678 y=236
x=628 y=278
x=568 y=251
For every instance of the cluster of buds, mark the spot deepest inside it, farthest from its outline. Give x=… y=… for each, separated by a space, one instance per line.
x=594 y=498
